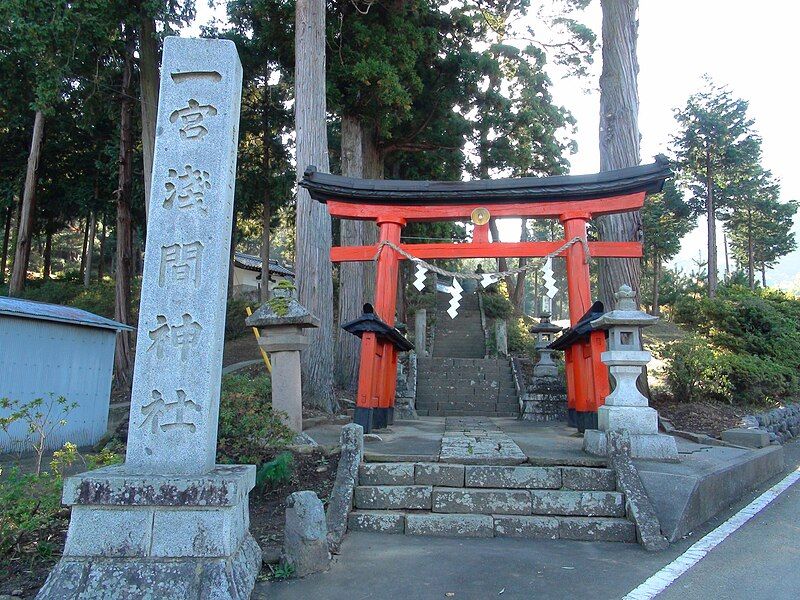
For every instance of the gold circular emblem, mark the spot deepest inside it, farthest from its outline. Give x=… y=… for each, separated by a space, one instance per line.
x=480 y=216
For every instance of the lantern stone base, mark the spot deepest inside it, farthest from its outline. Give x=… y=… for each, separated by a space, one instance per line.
x=647 y=446
x=134 y=535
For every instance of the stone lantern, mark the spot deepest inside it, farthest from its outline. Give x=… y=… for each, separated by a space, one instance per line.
x=626 y=409
x=545 y=332
x=283 y=321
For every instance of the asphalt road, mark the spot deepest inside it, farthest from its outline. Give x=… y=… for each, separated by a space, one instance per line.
x=760 y=560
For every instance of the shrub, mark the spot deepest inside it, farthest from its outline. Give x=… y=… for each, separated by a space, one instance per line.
x=235 y=326
x=497 y=306
x=247 y=424
x=520 y=339
x=275 y=472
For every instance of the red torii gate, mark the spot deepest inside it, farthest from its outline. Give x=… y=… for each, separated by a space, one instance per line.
x=392 y=204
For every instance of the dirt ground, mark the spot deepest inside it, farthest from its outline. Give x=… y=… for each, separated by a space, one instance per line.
x=701 y=417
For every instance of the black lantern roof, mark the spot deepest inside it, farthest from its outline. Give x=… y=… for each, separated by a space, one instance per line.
x=369 y=322
x=581 y=330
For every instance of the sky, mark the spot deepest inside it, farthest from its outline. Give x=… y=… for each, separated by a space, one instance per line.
x=749 y=46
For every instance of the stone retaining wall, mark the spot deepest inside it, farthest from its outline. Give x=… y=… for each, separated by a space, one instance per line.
x=782 y=424
x=541 y=399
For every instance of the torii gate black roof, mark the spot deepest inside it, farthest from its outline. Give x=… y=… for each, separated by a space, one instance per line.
x=645 y=178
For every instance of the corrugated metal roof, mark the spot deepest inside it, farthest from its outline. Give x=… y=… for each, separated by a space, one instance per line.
x=18 y=307
x=253 y=263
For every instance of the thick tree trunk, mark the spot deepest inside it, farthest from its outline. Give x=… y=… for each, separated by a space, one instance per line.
x=518 y=297
x=711 y=216
x=123 y=359
x=727 y=258
x=619 y=137
x=352 y=278
x=149 y=82
x=751 y=262
x=232 y=255
x=47 y=254
x=656 y=285
x=87 y=272
x=313 y=224
x=6 y=239
x=764 y=275
x=266 y=216
x=502 y=263
x=24 y=235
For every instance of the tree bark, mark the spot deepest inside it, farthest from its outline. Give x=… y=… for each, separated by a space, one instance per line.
x=266 y=216
x=313 y=224
x=764 y=275
x=101 y=258
x=149 y=82
x=83 y=248
x=352 y=278
x=727 y=259
x=751 y=262
x=6 y=239
x=47 y=255
x=518 y=297
x=87 y=272
x=619 y=137
x=711 y=216
x=123 y=360
x=656 y=285
x=23 y=251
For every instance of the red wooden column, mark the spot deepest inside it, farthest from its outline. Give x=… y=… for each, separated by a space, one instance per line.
x=388 y=270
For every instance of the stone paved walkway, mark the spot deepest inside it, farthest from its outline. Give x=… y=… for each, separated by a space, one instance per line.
x=478 y=441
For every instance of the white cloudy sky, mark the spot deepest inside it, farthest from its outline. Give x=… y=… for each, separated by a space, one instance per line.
x=750 y=46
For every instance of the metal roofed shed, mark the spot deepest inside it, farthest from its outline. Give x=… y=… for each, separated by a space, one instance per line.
x=48 y=351
x=247 y=275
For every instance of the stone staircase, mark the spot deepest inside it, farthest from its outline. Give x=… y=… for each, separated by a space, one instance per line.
x=465 y=387
x=457 y=500
x=457 y=380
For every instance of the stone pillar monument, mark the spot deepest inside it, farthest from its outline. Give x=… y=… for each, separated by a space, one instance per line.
x=282 y=320
x=421 y=332
x=626 y=409
x=169 y=523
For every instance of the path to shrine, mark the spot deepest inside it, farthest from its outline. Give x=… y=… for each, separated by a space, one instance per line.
x=757 y=561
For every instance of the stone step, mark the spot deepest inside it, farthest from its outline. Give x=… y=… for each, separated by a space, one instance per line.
x=523 y=477
x=393 y=497
x=466 y=413
x=487 y=525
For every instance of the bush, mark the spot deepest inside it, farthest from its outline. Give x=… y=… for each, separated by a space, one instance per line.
x=235 y=326
x=248 y=427
x=497 y=306
x=520 y=339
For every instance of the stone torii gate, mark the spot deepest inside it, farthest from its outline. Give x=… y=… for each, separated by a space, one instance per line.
x=392 y=204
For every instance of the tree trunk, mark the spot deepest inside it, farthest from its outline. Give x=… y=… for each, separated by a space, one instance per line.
x=149 y=82
x=751 y=262
x=727 y=258
x=101 y=259
x=502 y=263
x=6 y=239
x=47 y=255
x=764 y=275
x=518 y=297
x=23 y=251
x=656 y=285
x=87 y=272
x=711 y=216
x=266 y=216
x=123 y=360
x=83 y=248
x=313 y=224
x=352 y=278
x=619 y=137
x=232 y=255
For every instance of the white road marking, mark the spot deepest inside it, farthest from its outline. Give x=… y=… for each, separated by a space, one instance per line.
x=661 y=580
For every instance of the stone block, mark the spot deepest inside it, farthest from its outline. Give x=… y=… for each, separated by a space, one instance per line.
x=573 y=503
x=440 y=474
x=649 y=447
x=199 y=532
x=386 y=474
x=489 y=476
x=450 y=525
x=633 y=419
x=378 y=521
x=596 y=529
x=109 y=532
x=481 y=501
x=750 y=438
x=587 y=479
x=394 y=497
x=305 y=543
x=526 y=527
x=341 y=498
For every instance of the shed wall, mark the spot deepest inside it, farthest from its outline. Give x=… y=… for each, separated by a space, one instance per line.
x=44 y=359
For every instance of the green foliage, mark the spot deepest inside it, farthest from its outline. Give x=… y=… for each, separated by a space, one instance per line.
x=520 y=339
x=497 y=306
x=746 y=348
x=247 y=424
x=281 y=571
x=275 y=472
x=235 y=316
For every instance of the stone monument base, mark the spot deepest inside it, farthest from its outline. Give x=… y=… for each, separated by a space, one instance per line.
x=649 y=446
x=138 y=535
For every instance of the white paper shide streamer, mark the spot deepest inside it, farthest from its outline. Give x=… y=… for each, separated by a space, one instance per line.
x=488 y=279
x=419 y=277
x=455 y=299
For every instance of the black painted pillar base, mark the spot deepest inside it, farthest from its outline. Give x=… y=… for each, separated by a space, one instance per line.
x=586 y=420
x=364 y=417
x=380 y=418
x=390 y=416
x=571 y=418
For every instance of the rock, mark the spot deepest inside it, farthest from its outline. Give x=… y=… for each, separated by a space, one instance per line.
x=270 y=555
x=440 y=474
x=305 y=545
x=341 y=498
x=372 y=437
x=303 y=439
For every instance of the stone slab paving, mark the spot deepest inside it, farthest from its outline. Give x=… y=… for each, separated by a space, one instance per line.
x=478 y=441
